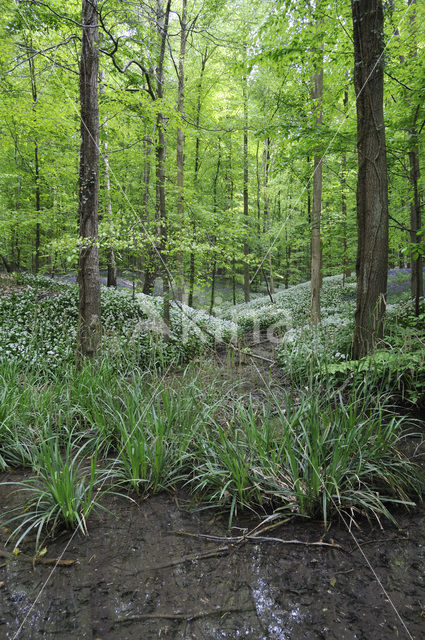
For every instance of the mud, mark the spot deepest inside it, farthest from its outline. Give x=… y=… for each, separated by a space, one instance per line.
x=135 y=577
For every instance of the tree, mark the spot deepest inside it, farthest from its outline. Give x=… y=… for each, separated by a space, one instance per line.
x=89 y=324
x=316 y=247
x=372 y=186
x=417 y=282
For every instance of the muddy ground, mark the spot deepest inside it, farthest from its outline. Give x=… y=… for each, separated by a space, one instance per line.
x=145 y=571
x=136 y=576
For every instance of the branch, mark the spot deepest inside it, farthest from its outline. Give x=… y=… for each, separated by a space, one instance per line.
x=36 y=52
x=220 y=611
x=399 y=225
x=111 y=54
x=399 y=81
x=62 y=17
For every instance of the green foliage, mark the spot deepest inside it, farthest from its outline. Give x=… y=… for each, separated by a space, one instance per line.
x=315 y=456
x=62 y=493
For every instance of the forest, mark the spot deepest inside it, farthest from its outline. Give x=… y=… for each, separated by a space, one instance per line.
x=212 y=319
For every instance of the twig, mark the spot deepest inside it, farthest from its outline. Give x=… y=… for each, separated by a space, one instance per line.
x=186 y=616
x=363 y=544
x=33 y=560
x=253 y=538
x=193 y=557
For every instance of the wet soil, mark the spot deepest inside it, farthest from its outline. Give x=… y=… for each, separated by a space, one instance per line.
x=136 y=576
x=146 y=571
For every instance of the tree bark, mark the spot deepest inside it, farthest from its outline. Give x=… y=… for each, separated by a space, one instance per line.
x=372 y=181
x=89 y=324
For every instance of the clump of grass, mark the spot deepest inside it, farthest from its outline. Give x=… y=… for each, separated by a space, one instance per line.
x=62 y=493
x=156 y=431
x=316 y=457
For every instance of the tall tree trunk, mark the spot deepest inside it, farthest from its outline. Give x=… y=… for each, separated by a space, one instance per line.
x=372 y=182
x=246 y=282
x=308 y=253
x=316 y=247
x=267 y=220
x=89 y=324
x=417 y=280
x=161 y=152
x=214 y=239
x=257 y=165
x=229 y=205
x=345 y=262
x=111 y=279
x=180 y=145
x=149 y=259
x=204 y=58
x=36 y=170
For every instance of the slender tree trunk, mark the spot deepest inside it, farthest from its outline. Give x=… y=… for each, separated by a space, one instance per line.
x=36 y=170
x=316 y=247
x=229 y=204
x=214 y=239
x=204 y=59
x=417 y=279
x=372 y=182
x=161 y=152
x=417 y=282
x=111 y=280
x=267 y=220
x=246 y=251
x=308 y=252
x=180 y=145
x=257 y=163
x=345 y=262
x=149 y=260
x=89 y=325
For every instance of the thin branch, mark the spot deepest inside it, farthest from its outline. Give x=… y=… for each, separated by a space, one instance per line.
x=220 y=611
x=398 y=81
x=255 y=538
x=35 y=52
x=63 y=17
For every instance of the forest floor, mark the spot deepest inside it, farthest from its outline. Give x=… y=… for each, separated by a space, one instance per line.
x=148 y=569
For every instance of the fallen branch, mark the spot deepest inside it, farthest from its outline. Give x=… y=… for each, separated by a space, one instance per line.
x=36 y=559
x=254 y=538
x=186 y=616
x=193 y=557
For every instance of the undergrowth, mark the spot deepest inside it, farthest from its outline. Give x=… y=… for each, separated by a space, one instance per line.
x=125 y=424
